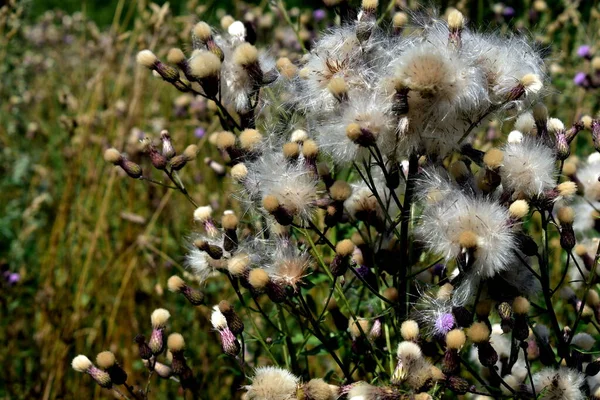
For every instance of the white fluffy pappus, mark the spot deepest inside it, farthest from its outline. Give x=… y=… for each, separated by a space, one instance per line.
x=505 y=61
x=371 y=112
x=288 y=265
x=339 y=54
x=439 y=74
x=199 y=261
x=588 y=177
x=272 y=383
x=293 y=183
x=585 y=216
x=528 y=168
x=442 y=223
x=559 y=384
x=217 y=319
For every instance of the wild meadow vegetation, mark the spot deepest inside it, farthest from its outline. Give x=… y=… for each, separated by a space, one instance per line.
x=356 y=200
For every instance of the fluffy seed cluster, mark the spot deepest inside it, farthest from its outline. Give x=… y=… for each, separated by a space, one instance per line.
x=453 y=222
x=412 y=93
x=272 y=383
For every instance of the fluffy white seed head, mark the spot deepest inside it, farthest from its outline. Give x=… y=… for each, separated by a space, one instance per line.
x=217 y=319
x=515 y=137
x=519 y=209
x=409 y=330
x=525 y=123
x=532 y=83
x=205 y=65
x=272 y=383
x=81 y=363
x=175 y=342
x=456 y=20
x=239 y=171
x=146 y=58
x=238 y=264
x=105 y=359
x=112 y=156
x=528 y=168
x=561 y=383
x=237 y=29
x=245 y=54
x=555 y=125
x=446 y=226
x=175 y=283
x=299 y=135
x=159 y=318
x=408 y=351
x=203 y=213
x=202 y=31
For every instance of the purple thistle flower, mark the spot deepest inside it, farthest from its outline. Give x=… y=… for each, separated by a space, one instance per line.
x=585 y=51
x=444 y=324
x=13 y=278
x=508 y=12
x=199 y=132
x=580 y=79
x=319 y=14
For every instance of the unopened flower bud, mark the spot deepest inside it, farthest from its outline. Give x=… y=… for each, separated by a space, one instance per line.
x=233 y=320
x=214 y=251
x=106 y=360
x=144 y=350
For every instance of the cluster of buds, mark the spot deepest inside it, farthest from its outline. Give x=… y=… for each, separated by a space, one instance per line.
x=168 y=160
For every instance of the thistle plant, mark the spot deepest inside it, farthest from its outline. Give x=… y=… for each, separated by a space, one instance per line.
x=373 y=215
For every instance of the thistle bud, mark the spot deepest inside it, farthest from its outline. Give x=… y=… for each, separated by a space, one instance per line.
x=83 y=364
x=272 y=206
x=505 y=314
x=479 y=334
x=566 y=216
x=246 y=56
x=563 y=150
x=178 y=162
x=178 y=285
x=520 y=309
x=360 y=136
x=167 y=147
x=233 y=320
x=596 y=134
x=159 y=319
x=229 y=343
x=132 y=169
x=230 y=223
x=106 y=360
x=458 y=385
x=456 y=24
x=214 y=251
x=205 y=67
x=176 y=344
x=158 y=160
x=343 y=252
x=144 y=350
